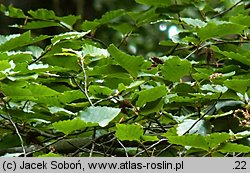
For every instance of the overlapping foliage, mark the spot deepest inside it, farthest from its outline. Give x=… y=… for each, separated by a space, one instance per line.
x=191 y=98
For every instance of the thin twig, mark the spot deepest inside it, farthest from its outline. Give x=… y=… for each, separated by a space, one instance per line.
x=14 y=125
x=126 y=153
x=209 y=44
x=124 y=39
x=44 y=147
x=199 y=48
x=18 y=134
x=104 y=99
x=145 y=149
x=41 y=56
x=173 y=49
x=85 y=81
x=202 y=116
x=97 y=40
x=164 y=149
x=82 y=90
x=161 y=140
x=92 y=149
x=227 y=10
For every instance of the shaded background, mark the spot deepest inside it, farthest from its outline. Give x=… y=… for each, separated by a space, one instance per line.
x=145 y=43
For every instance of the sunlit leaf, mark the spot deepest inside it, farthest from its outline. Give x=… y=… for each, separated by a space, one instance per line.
x=196 y=141
x=233 y=147
x=129 y=132
x=69 y=126
x=243 y=58
x=68 y=36
x=101 y=115
x=239 y=85
x=106 y=18
x=214 y=88
x=94 y=51
x=174 y=68
x=150 y=95
x=130 y=63
x=39 y=24
x=12 y=11
x=43 y=14
x=218 y=30
x=191 y=126
x=216 y=139
x=100 y=90
x=50 y=154
x=22 y=40
x=194 y=22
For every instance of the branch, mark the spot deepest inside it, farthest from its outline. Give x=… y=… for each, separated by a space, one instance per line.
x=202 y=115
x=61 y=146
x=124 y=39
x=85 y=80
x=18 y=134
x=41 y=56
x=227 y=10
x=125 y=150
x=161 y=140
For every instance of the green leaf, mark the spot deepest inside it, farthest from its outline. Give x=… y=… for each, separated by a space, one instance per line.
x=202 y=127
x=39 y=24
x=129 y=132
x=38 y=90
x=12 y=11
x=218 y=30
x=69 y=126
x=50 y=154
x=100 y=115
x=68 y=36
x=151 y=94
x=214 y=88
x=233 y=147
x=17 y=57
x=4 y=65
x=67 y=62
x=144 y=17
x=130 y=63
x=106 y=18
x=194 y=140
x=241 y=19
x=183 y=89
x=35 y=50
x=152 y=107
x=100 y=90
x=194 y=22
x=109 y=70
x=17 y=93
x=68 y=21
x=174 y=68
x=23 y=77
x=124 y=28
x=172 y=8
x=154 y=2
x=42 y=14
x=227 y=103
x=243 y=58
x=215 y=139
x=239 y=85
x=22 y=40
x=94 y=51
x=146 y=138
